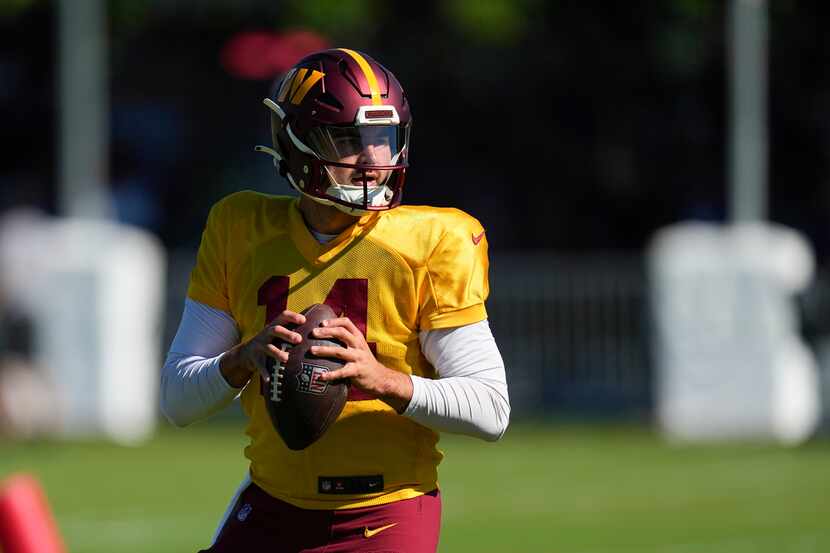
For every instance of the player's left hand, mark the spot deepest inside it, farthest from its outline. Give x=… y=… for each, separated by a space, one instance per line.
x=362 y=369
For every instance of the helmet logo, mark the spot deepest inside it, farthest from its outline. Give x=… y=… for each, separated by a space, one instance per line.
x=297 y=83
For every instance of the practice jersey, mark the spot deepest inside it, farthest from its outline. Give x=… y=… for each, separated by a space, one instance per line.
x=393 y=274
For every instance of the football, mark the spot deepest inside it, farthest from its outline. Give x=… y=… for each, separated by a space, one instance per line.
x=301 y=406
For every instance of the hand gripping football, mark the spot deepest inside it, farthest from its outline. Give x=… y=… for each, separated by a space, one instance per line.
x=301 y=406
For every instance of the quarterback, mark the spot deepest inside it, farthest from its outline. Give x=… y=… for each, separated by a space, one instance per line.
x=408 y=284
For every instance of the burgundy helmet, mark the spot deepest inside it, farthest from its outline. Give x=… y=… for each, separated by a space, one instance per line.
x=340 y=127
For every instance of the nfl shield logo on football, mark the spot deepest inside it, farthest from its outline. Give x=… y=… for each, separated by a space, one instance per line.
x=309 y=380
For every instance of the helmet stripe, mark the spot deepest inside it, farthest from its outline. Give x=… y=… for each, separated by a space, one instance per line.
x=368 y=73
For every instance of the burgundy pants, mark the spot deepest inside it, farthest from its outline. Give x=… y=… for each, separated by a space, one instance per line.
x=260 y=523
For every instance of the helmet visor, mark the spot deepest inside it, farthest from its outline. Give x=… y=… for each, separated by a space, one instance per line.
x=379 y=145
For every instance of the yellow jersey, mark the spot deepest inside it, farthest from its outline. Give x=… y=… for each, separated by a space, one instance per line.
x=393 y=273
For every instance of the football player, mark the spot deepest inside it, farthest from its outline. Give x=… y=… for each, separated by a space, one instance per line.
x=409 y=284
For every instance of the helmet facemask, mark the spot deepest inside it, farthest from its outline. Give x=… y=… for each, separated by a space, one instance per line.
x=361 y=165
x=356 y=168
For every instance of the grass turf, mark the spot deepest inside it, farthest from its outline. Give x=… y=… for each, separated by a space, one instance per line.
x=572 y=489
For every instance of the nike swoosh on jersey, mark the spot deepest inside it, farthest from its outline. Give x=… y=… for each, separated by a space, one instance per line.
x=477 y=239
x=369 y=533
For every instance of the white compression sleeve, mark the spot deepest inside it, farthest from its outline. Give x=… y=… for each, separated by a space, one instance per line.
x=470 y=396
x=192 y=387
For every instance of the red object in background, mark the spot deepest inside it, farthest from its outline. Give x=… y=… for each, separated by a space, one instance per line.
x=263 y=55
x=26 y=523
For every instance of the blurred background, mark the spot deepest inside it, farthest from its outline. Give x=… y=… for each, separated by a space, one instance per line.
x=654 y=182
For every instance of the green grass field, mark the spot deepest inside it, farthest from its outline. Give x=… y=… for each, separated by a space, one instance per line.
x=571 y=489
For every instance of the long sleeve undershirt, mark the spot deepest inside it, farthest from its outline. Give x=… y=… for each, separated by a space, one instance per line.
x=469 y=397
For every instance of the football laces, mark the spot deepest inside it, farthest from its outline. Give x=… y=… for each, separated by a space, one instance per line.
x=277 y=377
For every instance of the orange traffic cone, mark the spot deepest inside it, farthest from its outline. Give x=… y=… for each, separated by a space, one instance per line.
x=26 y=523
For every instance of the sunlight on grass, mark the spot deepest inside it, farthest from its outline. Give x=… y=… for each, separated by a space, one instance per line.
x=568 y=489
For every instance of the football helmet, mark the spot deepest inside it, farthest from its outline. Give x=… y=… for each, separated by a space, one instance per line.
x=340 y=127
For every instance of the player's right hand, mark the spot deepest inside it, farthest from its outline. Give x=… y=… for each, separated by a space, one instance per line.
x=240 y=363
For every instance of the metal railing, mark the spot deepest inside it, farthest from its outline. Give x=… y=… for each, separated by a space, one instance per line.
x=573 y=331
